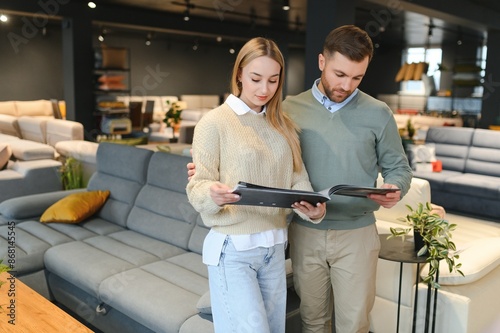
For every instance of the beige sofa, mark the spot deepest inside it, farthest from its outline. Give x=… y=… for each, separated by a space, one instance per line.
x=465 y=304
x=29 y=133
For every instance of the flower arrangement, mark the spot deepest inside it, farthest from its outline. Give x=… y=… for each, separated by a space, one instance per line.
x=173 y=115
x=436 y=233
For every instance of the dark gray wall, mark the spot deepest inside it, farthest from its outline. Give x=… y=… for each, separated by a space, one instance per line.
x=32 y=69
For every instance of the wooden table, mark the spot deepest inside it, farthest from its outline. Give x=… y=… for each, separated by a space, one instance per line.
x=25 y=311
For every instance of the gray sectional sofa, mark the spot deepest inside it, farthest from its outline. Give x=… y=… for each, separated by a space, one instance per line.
x=134 y=266
x=470 y=179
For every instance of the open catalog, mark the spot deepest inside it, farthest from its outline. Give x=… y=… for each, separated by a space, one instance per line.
x=256 y=195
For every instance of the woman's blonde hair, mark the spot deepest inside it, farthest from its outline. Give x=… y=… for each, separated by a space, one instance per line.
x=259 y=47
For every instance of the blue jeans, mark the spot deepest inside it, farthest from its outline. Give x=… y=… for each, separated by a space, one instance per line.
x=248 y=290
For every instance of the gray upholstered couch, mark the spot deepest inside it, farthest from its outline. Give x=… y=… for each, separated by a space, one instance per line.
x=132 y=267
x=470 y=179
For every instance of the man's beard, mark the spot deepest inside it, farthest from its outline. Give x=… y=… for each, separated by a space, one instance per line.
x=330 y=93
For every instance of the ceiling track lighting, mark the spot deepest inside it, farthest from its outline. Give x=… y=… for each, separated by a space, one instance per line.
x=92 y=4
x=3 y=18
x=196 y=45
x=102 y=35
x=187 y=13
x=149 y=36
x=286 y=5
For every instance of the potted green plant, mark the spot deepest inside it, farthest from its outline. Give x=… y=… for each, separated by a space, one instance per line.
x=71 y=174
x=436 y=234
x=173 y=116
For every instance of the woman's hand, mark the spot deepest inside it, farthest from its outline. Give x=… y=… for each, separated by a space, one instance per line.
x=222 y=194
x=314 y=212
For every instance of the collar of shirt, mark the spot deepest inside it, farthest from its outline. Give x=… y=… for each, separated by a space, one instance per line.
x=240 y=108
x=326 y=102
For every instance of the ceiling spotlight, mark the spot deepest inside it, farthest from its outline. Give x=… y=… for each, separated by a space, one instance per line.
x=195 y=45
x=218 y=39
x=3 y=18
x=232 y=50
x=186 y=15
x=92 y=4
x=459 y=42
x=102 y=35
x=148 y=39
x=286 y=5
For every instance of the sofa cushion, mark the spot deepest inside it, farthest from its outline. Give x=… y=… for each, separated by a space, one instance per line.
x=33 y=129
x=478 y=258
x=121 y=169
x=452 y=145
x=5 y=154
x=484 y=154
x=62 y=130
x=75 y=207
x=204 y=305
x=81 y=150
x=35 y=108
x=27 y=150
x=9 y=125
x=171 y=220
x=8 y=108
x=437 y=179
x=421 y=154
x=474 y=185
x=161 y=304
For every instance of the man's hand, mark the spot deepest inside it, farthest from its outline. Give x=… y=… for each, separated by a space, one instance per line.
x=312 y=211
x=191 y=170
x=386 y=200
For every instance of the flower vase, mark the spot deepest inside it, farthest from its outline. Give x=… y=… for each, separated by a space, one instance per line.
x=176 y=128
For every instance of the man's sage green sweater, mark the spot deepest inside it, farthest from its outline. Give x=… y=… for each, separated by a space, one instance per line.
x=349 y=146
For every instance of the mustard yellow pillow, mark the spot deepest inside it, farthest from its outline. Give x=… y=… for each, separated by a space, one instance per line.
x=75 y=207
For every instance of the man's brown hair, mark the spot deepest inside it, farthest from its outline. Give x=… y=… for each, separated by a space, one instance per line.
x=350 y=41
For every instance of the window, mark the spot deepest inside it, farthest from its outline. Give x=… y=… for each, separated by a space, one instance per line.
x=433 y=57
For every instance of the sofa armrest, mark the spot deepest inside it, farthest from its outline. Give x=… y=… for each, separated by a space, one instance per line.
x=62 y=130
x=31 y=206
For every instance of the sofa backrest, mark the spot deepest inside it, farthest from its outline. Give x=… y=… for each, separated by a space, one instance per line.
x=484 y=154
x=122 y=170
x=9 y=125
x=36 y=108
x=452 y=145
x=162 y=210
x=57 y=130
x=33 y=128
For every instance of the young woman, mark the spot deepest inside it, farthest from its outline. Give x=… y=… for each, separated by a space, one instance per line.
x=248 y=138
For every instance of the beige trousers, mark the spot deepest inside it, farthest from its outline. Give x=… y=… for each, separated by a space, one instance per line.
x=341 y=263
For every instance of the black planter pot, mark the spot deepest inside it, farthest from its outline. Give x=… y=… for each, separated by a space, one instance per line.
x=418 y=240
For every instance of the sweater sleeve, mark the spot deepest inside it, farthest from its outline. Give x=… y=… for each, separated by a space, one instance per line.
x=206 y=155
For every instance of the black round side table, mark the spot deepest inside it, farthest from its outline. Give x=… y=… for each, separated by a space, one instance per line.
x=396 y=250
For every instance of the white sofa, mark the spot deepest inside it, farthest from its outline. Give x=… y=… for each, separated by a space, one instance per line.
x=467 y=304
x=31 y=131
